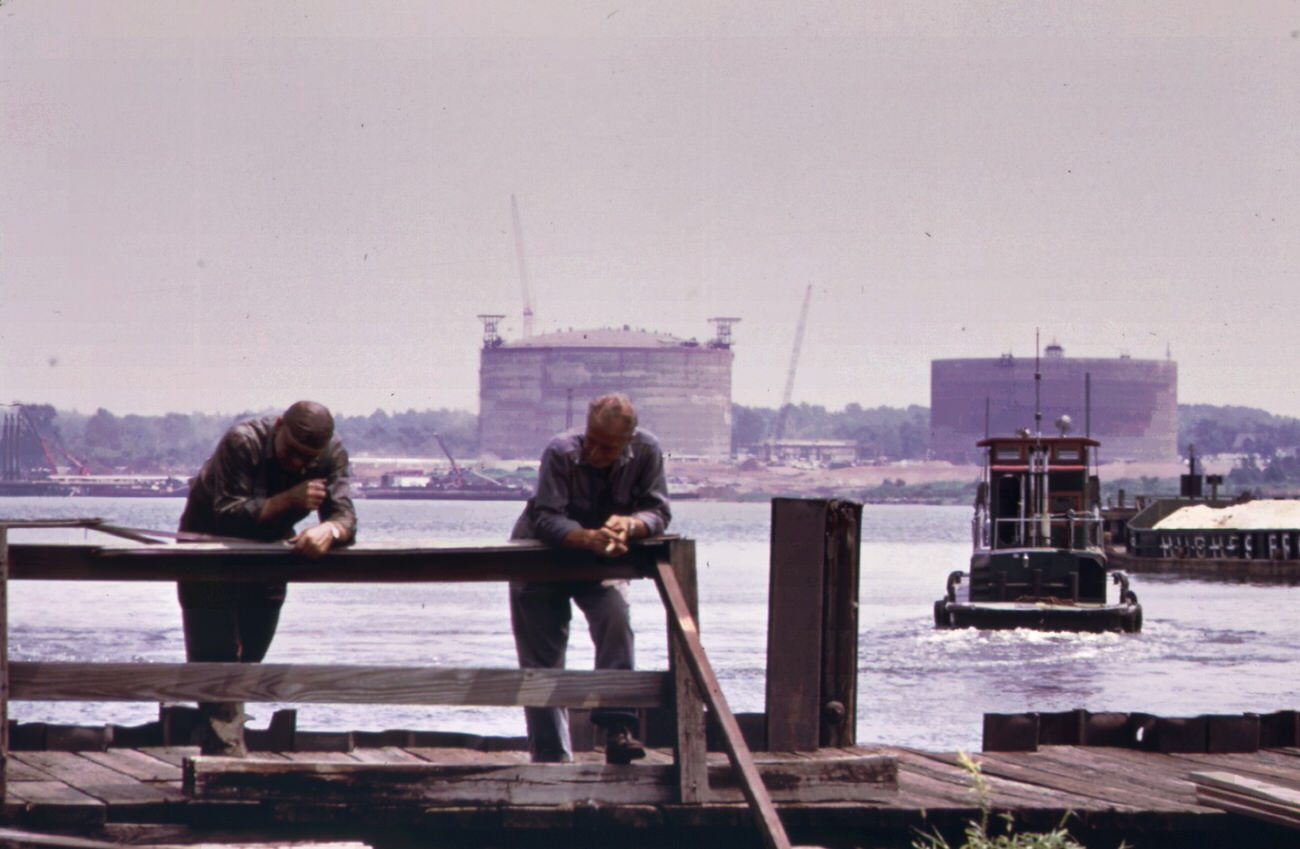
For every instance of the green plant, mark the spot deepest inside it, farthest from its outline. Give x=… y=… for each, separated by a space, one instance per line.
x=977 y=831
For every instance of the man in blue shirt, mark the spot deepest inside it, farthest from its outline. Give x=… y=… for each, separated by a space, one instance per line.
x=595 y=491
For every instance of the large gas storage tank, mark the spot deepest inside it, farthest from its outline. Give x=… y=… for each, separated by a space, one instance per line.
x=1129 y=405
x=532 y=388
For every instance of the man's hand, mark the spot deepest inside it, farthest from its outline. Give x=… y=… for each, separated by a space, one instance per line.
x=599 y=540
x=307 y=495
x=314 y=542
x=627 y=527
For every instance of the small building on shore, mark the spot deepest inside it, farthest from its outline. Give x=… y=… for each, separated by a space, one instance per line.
x=821 y=452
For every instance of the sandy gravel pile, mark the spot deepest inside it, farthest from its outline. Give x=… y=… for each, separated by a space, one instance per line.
x=1251 y=516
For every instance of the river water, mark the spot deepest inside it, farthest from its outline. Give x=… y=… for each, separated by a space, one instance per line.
x=1205 y=648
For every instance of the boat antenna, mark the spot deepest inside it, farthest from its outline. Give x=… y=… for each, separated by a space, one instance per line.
x=1038 y=382
x=986 y=417
x=1087 y=403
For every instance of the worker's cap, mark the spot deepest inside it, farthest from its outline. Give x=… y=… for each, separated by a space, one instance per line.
x=309 y=425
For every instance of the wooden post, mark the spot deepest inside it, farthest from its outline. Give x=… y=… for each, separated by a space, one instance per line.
x=4 y=660
x=689 y=743
x=687 y=632
x=839 y=699
x=812 y=624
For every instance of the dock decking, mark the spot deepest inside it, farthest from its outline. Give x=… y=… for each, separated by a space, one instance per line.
x=1110 y=791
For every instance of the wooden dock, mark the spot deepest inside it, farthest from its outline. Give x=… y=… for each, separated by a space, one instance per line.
x=713 y=779
x=397 y=794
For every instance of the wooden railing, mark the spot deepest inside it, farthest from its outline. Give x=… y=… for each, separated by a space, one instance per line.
x=685 y=688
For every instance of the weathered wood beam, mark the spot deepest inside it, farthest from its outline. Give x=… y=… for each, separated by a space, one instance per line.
x=356 y=564
x=5 y=693
x=1249 y=797
x=861 y=779
x=682 y=622
x=268 y=682
x=12 y=838
x=690 y=742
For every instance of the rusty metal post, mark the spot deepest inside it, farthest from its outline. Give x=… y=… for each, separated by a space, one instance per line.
x=812 y=637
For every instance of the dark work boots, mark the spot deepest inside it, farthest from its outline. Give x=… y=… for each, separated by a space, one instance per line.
x=621 y=747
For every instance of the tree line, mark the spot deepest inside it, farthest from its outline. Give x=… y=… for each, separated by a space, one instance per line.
x=178 y=443
x=1265 y=445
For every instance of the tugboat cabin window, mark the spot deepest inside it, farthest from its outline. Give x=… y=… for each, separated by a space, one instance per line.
x=1067 y=455
x=1007 y=453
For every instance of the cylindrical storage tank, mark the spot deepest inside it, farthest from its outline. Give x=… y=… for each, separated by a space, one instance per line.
x=534 y=388
x=1131 y=407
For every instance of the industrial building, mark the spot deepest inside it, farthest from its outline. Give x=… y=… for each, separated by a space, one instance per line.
x=1130 y=406
x=534 y=387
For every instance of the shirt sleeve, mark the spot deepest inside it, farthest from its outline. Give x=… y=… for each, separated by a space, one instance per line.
x=549 y=506
x=337 y=506
x=235 y=503
x=652 y=507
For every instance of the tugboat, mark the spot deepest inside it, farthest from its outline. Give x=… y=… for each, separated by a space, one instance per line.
x=1038 y=560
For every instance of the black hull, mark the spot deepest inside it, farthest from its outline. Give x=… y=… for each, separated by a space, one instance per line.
x=1046 y=616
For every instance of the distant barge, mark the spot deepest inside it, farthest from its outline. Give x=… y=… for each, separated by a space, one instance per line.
x=1212 y=538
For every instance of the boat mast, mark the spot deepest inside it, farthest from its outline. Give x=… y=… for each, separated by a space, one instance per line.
x=1038 y=457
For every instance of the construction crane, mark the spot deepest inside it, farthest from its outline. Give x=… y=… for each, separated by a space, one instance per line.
x=523 y=270
x=457 y=476
x=784 y=414
x=45 y=448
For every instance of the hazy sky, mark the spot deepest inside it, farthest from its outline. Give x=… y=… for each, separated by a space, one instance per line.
x=228 y=206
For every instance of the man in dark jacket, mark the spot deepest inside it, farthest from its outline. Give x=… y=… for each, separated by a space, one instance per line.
x=265 y=476
x=595 y=491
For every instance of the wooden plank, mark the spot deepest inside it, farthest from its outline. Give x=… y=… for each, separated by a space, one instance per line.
x=108 y=785
x=1248 y=797
x=356 y=564
x=320 y=757
x=385 y=755
x=690 y=738
x=1163 y=774
x=69 y=801
x=5 y=687
x=174 y=755
x=1248 y=786
x=19 y=771
x=683 y=624
x=1154 y=776
x=1257 y=765
x=13 y=838
x=521 y=784
x=1049 y=776
x=796 y=592
x=1010 y=791
x=307 y=683
x=136 y=764
x=446 y=755
x=1248 y=805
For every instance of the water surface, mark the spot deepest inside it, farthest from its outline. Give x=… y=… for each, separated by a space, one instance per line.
x=1205 y=648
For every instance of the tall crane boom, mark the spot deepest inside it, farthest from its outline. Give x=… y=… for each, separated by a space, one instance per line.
x=457 y=476
x=784 y=413
x=523 y=270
